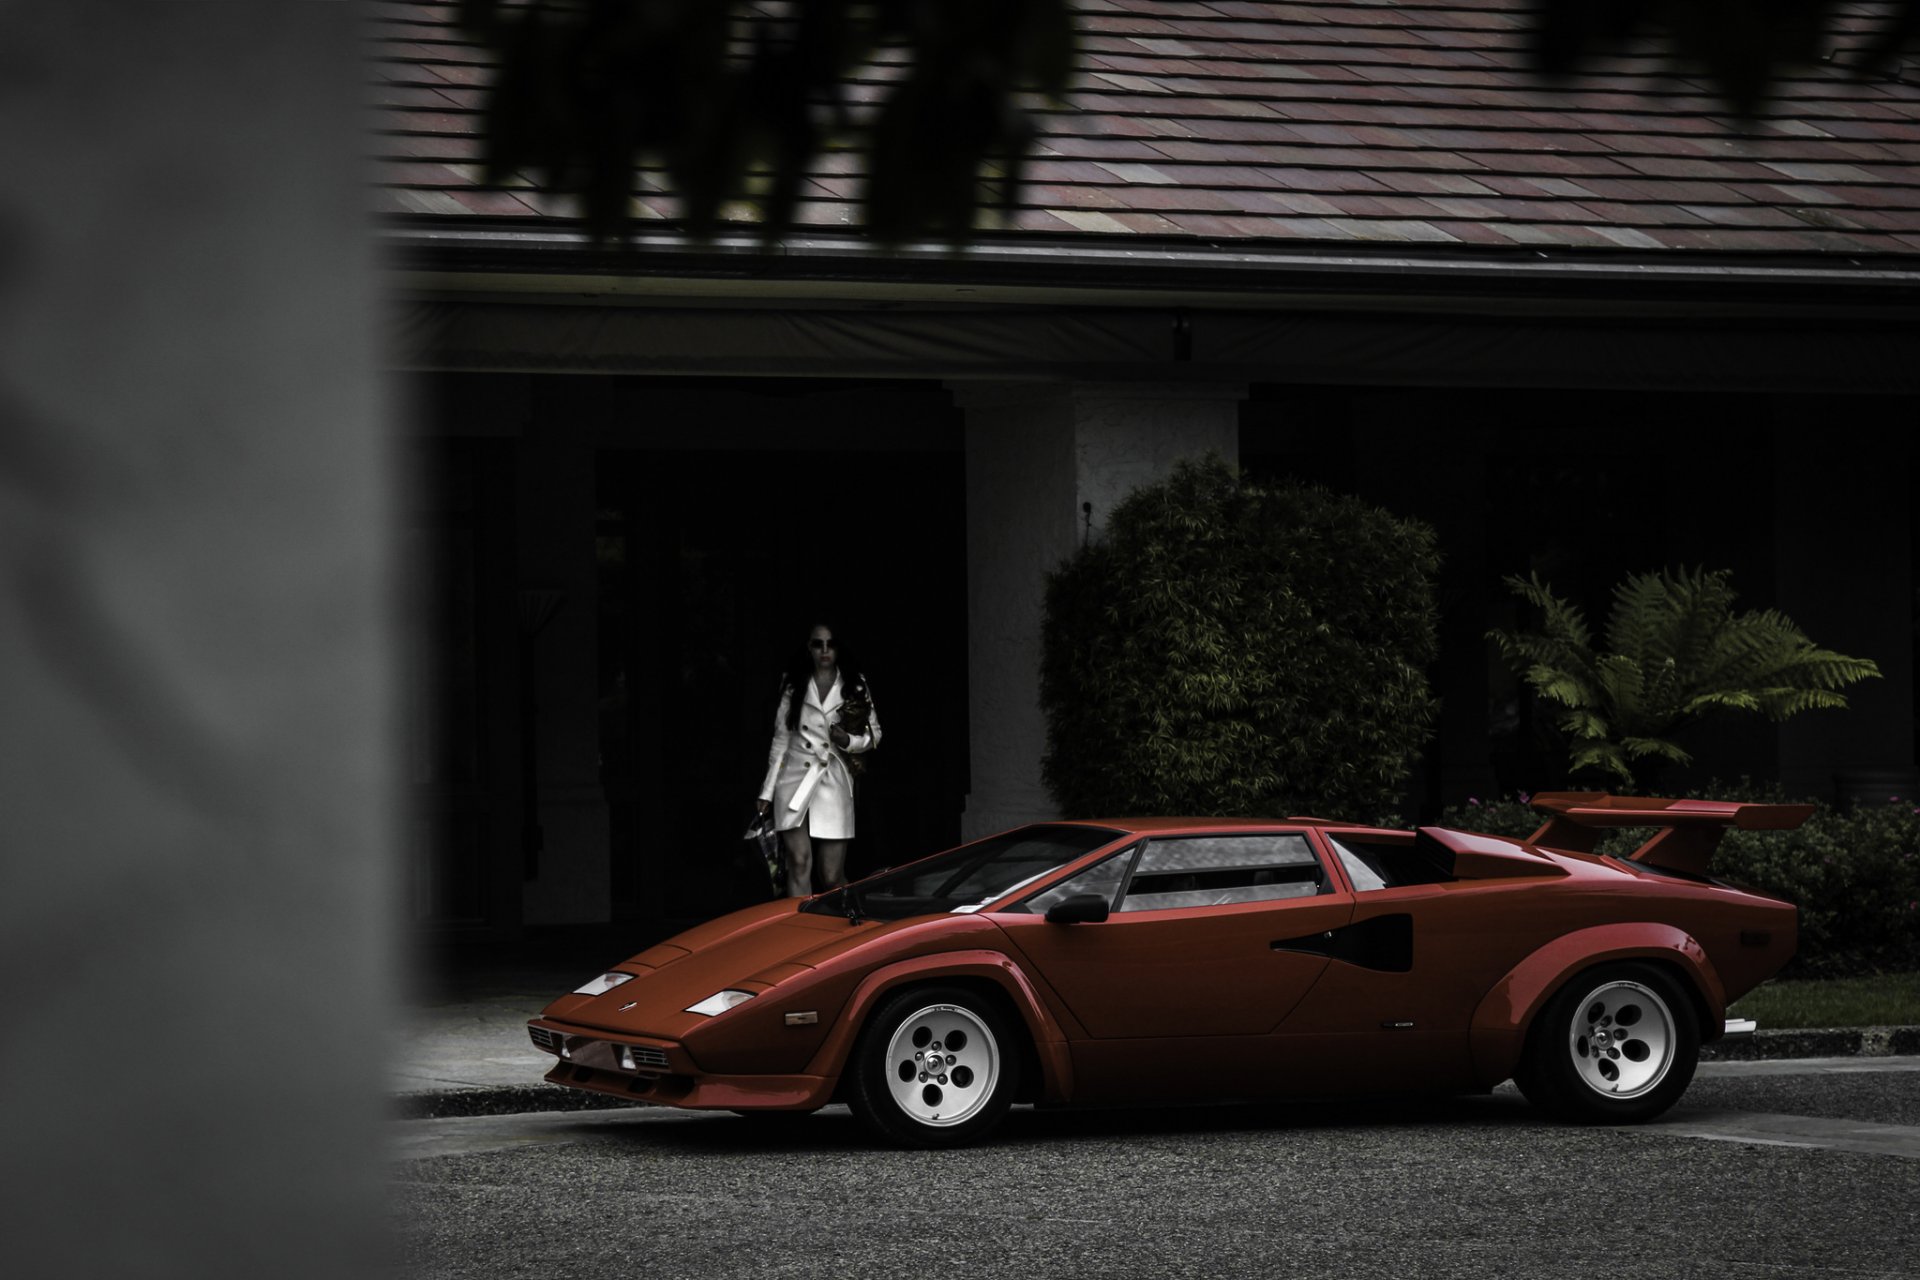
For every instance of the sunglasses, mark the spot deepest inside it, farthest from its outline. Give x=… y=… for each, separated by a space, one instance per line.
x=819 y=644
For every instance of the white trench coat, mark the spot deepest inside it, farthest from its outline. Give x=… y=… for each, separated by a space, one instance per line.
x=807 y=779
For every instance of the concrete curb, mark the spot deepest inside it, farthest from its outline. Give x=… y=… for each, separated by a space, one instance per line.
x=502 y=1100
x=1816 y=1042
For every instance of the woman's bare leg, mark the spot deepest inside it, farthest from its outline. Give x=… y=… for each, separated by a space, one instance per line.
x=799 y=862
x=831 y=862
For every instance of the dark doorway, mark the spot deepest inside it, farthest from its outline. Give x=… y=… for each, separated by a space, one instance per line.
x=714 y=563
x=461 y=695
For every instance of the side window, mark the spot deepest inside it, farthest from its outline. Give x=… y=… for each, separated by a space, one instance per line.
x=1102 y=877
x=1213 y=871
x=1381 y=865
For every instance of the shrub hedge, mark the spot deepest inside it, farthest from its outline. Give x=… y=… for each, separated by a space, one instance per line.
x=1230 y=648
x=1853 y=872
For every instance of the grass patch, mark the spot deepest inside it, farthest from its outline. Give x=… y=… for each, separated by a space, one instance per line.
x=1888 y=999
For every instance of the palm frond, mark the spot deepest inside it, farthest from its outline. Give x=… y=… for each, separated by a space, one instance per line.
x=1721 y=700
x=1778 y=704
x=1638 y=626
x=1583 y=724
x=1557 y=686
x=1602 y=755
x=1704 y=607
x=1624 y=685
x=1560 y=618
x=1653 y=749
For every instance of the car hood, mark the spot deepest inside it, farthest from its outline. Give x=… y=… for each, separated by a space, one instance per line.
x=749 y=950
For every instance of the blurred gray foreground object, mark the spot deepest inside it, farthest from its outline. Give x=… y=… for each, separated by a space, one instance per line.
x=196 y=764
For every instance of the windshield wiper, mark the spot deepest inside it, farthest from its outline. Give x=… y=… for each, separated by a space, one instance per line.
x=854 y=915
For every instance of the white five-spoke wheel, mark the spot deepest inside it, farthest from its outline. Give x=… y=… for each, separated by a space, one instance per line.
x=944 y=1062
x=935 y=1066
x=1617 y=1044
x=1622 y=1039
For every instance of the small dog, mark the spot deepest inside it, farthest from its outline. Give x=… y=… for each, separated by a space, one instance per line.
x=855 y=713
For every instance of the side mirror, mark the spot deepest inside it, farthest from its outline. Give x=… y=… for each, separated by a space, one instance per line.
x=1081 y=908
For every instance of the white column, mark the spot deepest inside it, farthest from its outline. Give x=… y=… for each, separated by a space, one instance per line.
x=1046 y=464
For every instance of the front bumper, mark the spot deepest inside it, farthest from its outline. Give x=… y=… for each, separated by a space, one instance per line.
x=644 y=1069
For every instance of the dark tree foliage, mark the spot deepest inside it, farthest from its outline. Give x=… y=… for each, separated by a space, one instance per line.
x=1233 y=649
x=1743 y=46
x=734 y=101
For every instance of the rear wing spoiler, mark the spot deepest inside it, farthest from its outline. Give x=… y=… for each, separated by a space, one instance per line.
x=1689 y=830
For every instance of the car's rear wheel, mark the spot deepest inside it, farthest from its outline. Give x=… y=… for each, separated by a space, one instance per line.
x=934 y=1067
x=1616 y=1045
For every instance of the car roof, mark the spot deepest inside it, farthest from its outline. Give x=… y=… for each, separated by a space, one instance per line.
x=1148 y=826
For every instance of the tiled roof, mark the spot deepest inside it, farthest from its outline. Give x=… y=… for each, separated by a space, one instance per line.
x=1336 y=122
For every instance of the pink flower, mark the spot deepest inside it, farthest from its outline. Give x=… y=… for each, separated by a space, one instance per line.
x=1526 y=797
x=1474 y=801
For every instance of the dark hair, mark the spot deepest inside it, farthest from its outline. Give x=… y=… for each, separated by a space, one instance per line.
x=800 y=670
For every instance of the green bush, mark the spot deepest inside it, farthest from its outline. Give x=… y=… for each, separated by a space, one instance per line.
x=1235 y=649
x=1497 y=816
x=1854 y=873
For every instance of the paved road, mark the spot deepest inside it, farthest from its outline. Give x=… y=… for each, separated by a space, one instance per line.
x=1791 y=1169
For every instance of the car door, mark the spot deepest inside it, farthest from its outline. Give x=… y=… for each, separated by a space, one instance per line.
x=1197 y=943
x=1420 y=953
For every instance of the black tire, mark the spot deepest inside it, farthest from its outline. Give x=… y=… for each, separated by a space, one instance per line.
x=934 y=1067
x=1616 y=1045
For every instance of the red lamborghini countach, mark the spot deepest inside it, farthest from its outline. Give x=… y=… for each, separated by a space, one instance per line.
x=1160 y=959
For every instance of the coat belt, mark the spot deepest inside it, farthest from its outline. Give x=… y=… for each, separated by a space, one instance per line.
x=815 y=768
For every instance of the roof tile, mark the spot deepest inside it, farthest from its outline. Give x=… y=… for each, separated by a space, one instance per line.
x=1089 y=220
x=1147 y=223
x=1629 y=237
x=1144 y=173
x=1324 y=121
x=1821 y=172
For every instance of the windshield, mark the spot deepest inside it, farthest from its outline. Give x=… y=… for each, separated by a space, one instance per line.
x=968 y=877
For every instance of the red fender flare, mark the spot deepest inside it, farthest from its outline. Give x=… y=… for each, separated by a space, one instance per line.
x=1056 y=1062
x=1498 y=1033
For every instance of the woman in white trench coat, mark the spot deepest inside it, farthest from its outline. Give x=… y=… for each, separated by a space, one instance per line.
x=808 y=784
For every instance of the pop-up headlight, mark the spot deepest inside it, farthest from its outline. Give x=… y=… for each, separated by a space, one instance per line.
x=602 y=984
x=720 y=1002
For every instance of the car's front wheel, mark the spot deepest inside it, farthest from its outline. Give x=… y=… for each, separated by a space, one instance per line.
x=1616 y=1045
x=934 y=1067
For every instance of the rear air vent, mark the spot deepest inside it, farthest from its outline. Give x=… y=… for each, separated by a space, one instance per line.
x=548 y=1040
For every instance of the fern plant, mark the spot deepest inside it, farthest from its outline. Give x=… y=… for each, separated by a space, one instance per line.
x=1676 y=653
